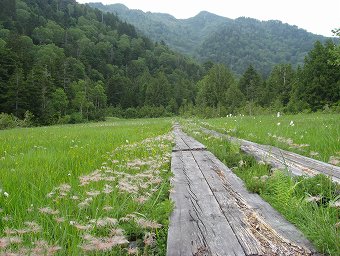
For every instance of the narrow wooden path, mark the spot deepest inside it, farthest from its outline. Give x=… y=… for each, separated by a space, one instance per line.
x=282 y=159
x=214 y=214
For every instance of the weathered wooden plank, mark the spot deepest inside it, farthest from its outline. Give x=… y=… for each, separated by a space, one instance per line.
x=179 y=143
x=260 y=153
x=184 y=142
x=312 y=164
x=215 y=215
x=192 y=143
x=228 y=205
x=197 y=225
x=282 y=159
x=273 y=159
x=264 y=215
x=182 y=229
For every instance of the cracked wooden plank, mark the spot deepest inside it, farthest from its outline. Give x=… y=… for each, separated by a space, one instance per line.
x=184 y=142
x=282 y=159
x=228 y=206
x=260 y=229
x=215 y=215
x=197 y=224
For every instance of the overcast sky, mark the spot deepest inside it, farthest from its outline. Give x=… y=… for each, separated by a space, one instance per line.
x=316 y=16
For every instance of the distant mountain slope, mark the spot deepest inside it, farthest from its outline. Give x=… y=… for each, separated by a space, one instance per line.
x=237 y=43
x=183 y=35
x=66 y=62
x=245 y=41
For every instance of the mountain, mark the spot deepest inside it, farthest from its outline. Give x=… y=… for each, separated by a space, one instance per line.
x=182 y=35
x=236 y=42
x=62 y=62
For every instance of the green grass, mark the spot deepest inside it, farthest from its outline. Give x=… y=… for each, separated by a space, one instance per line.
x=313 y=135
x=317 y=219
x=127 y=163
x=131 y=159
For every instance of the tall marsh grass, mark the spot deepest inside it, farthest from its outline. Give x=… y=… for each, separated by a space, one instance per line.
x=85 y=189
x=312 y=204
x=313 y=135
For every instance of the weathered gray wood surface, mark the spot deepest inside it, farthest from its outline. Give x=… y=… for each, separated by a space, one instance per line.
x=282 y=159
x=198 y=226
x=185 y=143
x=215 y=215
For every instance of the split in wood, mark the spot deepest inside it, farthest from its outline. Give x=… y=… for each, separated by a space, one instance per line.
x=214 y=214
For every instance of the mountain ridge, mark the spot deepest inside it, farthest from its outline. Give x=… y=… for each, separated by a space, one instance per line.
x=237 y=43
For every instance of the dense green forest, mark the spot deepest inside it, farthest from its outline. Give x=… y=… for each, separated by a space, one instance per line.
x=63 y=62
x=237 y=43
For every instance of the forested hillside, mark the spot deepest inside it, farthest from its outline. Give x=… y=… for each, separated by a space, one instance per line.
x=181 y=35
x=65 y=62
x=245 y=41
x=314 y=87
x=237 y=43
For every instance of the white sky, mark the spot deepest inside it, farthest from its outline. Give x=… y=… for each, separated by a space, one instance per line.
x=316 y=16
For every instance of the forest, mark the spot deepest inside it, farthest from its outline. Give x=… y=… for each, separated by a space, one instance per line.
x=64 y=62
x=236 y=43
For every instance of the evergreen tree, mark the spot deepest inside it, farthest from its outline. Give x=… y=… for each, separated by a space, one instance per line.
x=60 y=102
x=319 y=80
x=40 y=88
x=7 y=68
x=336 y=51
x=250 y=84
x=234 y=99
x=279 y=84
x=213 y=87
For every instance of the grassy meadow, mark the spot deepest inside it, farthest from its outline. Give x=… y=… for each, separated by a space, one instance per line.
x=312 y=204
x=314 y=135
x=103 y=188
x=87 y=189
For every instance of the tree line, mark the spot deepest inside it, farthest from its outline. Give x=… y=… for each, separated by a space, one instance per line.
x=237 y=43
x=312 y=87
x=66 y=62
x=63 y=62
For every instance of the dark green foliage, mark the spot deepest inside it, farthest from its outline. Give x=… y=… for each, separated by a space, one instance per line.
x=212 y=89
x=336 y=51
x=237 y=43
x=279 y=85
x=7 y=11
x=263 y=44
x=65 y=61
x=313 y=87
x=319 y=83
x=250 y=84
x=319 y=185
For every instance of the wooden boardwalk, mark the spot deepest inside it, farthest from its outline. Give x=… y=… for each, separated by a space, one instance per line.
x=282 y=159
x=214 y=214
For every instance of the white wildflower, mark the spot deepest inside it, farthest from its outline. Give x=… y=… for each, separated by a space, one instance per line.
x=313 y=199
x=335 y=204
